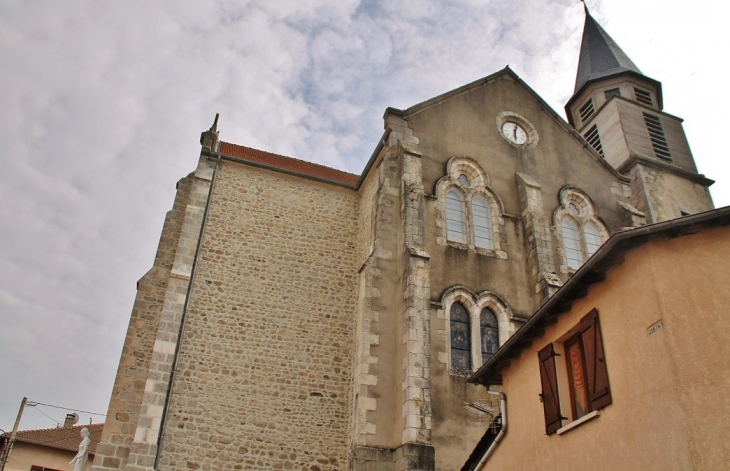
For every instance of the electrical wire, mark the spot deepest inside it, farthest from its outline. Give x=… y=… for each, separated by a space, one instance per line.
x=33 y=404
x=54 y=420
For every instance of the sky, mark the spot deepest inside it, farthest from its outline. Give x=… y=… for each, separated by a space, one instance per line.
x=103 y=104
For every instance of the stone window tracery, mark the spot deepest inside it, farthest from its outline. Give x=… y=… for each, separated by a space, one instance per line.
x=578 y=229
x=470 y=212
x=476 y=325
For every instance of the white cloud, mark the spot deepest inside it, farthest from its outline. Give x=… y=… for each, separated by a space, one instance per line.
x=104 y=103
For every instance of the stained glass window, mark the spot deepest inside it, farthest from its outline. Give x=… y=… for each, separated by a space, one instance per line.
x=460 y=344
x=489 y=333
x=455 y=217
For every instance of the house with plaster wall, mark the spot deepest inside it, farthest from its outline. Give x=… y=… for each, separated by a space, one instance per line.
x=632 y=353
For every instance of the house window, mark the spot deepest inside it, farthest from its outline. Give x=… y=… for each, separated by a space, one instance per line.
x=460 y=335
x=488 y=333
x=455 y=216
x=586 y=383
x=41 y=468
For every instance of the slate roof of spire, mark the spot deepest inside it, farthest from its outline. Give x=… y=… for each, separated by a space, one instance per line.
x=600 y=56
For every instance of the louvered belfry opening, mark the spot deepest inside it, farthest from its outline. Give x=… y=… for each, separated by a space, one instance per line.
x=594 y=139
x=586 y=111
x=656 y=134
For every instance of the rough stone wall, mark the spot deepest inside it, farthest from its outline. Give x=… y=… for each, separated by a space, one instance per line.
x=662 y=195
x=129 y=386
x=264 y=378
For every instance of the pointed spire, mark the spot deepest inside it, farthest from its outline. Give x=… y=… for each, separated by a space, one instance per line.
x=209 y=138
x=600 y=56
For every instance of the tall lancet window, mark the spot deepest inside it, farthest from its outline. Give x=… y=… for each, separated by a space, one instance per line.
x=593 y=239
x=489 y=333
x=455 y=217
x=571 y=240
x=483 y=235
x=581 y=231
x=460 y=335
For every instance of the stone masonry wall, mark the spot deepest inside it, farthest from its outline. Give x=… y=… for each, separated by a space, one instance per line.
x=125 y=404
x=264 y=378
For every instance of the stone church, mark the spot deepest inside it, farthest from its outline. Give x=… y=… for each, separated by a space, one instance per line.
x=300 y=317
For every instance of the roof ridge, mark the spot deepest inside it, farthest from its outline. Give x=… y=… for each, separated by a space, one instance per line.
x=50 y=429
x=291 y=158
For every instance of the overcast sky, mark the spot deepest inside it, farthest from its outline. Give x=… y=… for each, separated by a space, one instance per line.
x=103 y=104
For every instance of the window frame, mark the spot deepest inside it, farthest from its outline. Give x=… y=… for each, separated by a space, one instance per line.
x=475 y=304
x=482 y=209
x=556 y=387
x=579 y=210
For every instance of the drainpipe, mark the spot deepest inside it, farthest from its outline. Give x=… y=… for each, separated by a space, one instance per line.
x=502 y=432
x=161 y=436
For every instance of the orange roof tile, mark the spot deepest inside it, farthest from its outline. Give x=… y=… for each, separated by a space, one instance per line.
x=64 y=438
x=288 y=163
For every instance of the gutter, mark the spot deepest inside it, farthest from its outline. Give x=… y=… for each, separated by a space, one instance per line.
x=178 y=347
x=502 y=432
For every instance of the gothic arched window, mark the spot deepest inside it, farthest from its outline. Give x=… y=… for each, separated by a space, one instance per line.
x=571 y=243
x=593 y=239
x=460 y=335
x=482 y=215
x=455 y=216
x=581 y=231
x=488 y=333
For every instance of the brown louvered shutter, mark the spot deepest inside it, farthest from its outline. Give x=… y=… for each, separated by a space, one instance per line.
x=549 y=396
x=599 y=393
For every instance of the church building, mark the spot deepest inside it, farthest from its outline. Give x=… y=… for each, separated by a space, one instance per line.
x=301 y=317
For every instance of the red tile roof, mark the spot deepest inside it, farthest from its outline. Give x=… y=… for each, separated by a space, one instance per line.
x=64 y=438
x=288 y=163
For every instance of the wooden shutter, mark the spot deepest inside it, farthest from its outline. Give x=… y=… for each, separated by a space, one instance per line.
x=599 y=392
x=549 y=396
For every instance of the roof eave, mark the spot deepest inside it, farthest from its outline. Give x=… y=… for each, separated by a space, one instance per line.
x=608 y=255
x=576 y=95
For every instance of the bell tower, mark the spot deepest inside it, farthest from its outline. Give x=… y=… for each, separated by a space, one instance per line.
x=620 y=112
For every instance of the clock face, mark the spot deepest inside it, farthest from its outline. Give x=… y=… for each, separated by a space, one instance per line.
x=514 y=133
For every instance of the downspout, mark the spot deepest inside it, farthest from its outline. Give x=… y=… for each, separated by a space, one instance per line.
x=502 y=432
x=178 y=347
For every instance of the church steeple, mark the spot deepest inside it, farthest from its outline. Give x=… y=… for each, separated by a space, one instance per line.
x=600 y=56
x=619 y=111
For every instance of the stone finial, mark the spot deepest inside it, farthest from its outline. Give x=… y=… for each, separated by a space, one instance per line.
x=209 y=138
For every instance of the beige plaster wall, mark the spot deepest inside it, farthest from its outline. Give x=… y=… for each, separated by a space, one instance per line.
x=25 y=455
x=669 y=407
x=264 y=378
